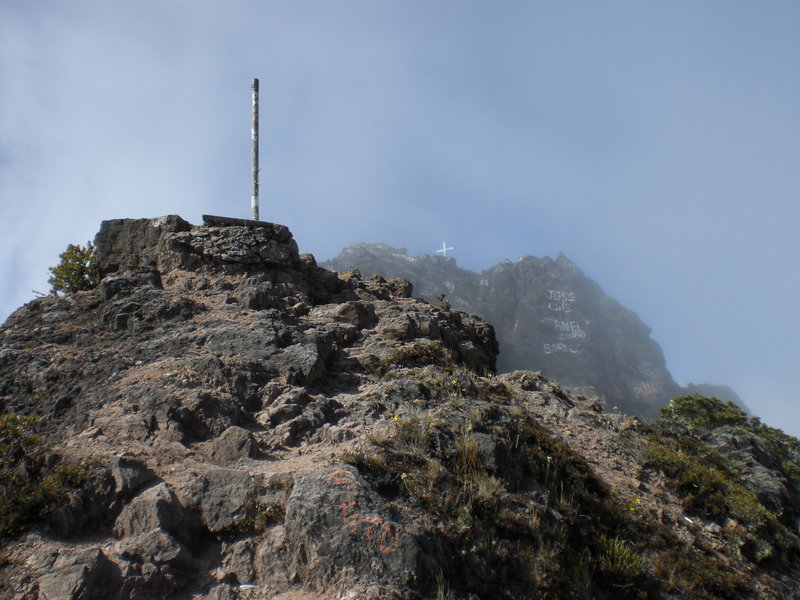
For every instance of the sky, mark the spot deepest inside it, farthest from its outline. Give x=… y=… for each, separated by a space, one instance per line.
x=655 y=144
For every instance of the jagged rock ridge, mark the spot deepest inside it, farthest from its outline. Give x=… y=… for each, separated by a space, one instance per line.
x=548 y=316
x=234 y=421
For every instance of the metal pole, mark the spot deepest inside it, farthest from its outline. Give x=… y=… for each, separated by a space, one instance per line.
x=254 y=136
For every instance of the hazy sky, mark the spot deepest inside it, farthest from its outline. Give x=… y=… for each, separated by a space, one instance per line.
x=656 y=144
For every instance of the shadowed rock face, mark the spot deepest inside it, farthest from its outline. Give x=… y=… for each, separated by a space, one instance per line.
x=548 y=316
x=236 y=422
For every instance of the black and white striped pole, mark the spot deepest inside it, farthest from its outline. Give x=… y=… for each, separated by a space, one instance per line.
x=254 y=136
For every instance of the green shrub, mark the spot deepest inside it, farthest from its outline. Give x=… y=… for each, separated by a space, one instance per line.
x=693 y=574
x=618 y=559
x=415 y=432
x=708 y=477
x=28 y=491
x=258 y=516
x=785 y=447
x=77 y=270
x=419 y=354
x=700 y=412
x=16 y=438
x=703 y=486
x=529 y=542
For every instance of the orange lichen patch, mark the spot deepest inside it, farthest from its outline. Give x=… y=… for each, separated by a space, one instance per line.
x=342 y=478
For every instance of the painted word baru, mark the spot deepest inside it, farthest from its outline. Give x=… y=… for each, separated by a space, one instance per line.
x=561 y=348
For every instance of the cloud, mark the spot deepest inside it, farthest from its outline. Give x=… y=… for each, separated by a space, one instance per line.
x=654 y=145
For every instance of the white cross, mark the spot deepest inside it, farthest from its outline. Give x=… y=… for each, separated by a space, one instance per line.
x=444 y=249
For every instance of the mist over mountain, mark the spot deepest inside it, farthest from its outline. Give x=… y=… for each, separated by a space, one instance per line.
x=548 y=316
x=654 y=144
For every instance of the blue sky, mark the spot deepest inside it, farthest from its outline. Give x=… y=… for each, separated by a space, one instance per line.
x=655 y=144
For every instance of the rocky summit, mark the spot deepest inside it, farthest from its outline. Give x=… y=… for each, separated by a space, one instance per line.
x=221 y=418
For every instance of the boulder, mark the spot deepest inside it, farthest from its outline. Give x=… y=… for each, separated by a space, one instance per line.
x=130 y=475
x=301 y=364
x=117 y=284
x=155 y=508
x=225 y=498
x=156 y=546
x=80 y=574
x=233 y=444
x=256 y=294
x=88 y=507
x=358 y=313
x=336 y=524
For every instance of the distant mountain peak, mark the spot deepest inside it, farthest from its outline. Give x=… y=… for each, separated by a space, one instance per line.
x=548 y=316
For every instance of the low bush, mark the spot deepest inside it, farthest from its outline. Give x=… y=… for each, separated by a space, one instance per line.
x=77 y=270
x=700 y=412
x=708 y=477
x=470 y=466
x=29 y=491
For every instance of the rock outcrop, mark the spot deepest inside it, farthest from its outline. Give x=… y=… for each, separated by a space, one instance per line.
x=223 y=419
x=548 y=316
x=217 y=345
